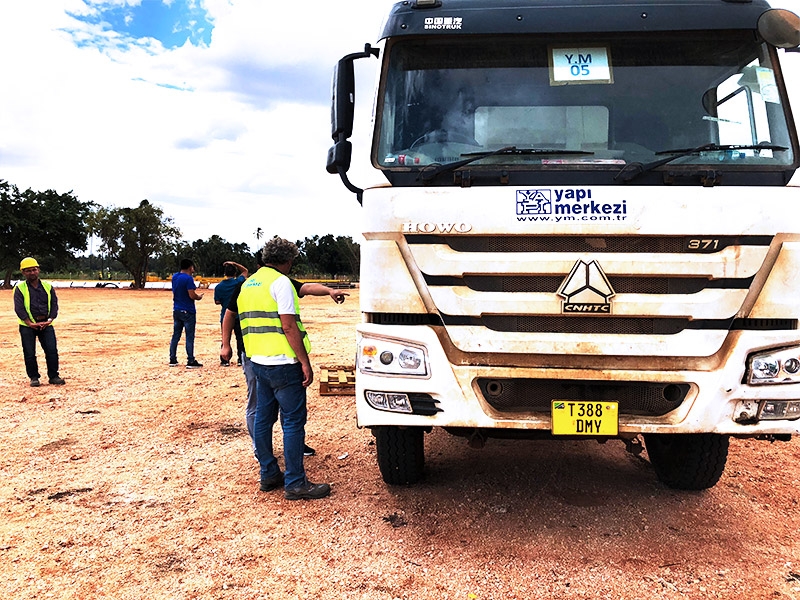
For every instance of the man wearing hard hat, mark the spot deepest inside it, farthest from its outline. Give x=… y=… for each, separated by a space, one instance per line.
x=36 y=306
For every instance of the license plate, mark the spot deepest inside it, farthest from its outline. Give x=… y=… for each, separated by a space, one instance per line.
x=571 y=417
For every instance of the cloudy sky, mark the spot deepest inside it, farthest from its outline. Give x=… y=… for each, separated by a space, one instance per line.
x=215 y=110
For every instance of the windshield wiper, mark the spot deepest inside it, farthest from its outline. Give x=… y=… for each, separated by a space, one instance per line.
x=473 y=156
x=633 y=170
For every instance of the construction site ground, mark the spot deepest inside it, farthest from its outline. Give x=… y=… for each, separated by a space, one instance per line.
x=137 y=481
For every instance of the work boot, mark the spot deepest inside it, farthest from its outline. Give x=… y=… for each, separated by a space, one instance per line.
x=271 y=483
x=35 y=383
x=308 y=491
x=57 y=380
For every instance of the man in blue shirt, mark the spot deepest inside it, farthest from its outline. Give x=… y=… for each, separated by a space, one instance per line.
x=235 y=274
x=184 y=315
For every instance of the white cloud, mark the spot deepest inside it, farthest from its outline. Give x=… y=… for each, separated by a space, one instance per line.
x=225 y=138
x=186 y=128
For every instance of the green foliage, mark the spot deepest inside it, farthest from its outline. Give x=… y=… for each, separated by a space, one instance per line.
x=208 y=255
x=327 y=256
x=40 y=224
x=134 y=236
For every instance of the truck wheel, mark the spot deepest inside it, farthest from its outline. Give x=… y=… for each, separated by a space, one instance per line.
x=692 y=461
x=401 y=453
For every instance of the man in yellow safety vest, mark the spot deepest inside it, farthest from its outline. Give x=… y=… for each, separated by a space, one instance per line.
x=277 y=346
x=36 y=306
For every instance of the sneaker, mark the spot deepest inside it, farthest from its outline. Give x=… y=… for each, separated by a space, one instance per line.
x=271 y=483
x=308 y=491
x=57 y=381
x=35 y=383
x=193 y=364
x=308 y=450
x=173 y=362
x=224 y=363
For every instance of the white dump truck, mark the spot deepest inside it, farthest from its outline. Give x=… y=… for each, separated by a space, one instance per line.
x=587 y=230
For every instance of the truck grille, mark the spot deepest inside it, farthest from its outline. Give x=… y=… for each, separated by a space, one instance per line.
x=657 y=295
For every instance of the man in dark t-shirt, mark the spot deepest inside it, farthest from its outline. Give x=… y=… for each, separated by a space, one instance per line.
x=184 y=315
x=235 y=274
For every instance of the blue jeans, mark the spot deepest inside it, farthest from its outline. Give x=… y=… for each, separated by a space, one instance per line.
x=182 y=319
x=280 y=390
x=252 y=400
x=47 y=338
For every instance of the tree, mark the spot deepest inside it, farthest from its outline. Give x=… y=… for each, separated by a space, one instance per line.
x=208 y=255
x=350 y=253
x=331 y=256
x=133 y=236
x=40 y=224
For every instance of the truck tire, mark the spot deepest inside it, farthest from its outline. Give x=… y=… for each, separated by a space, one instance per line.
x=692 y=461
x=401 y=453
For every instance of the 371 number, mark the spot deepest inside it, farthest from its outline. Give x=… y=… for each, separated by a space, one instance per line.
x=703 y=244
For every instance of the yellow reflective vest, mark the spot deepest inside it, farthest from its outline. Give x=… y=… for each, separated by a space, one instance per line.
x=258 y=314
x=22 y=286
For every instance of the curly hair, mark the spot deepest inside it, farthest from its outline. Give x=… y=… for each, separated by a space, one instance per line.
x=279 y=251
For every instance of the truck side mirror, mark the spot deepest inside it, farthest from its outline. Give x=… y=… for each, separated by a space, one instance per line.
x=343 y=103
x=339 y=157
x=780 y=27
x=343 y=99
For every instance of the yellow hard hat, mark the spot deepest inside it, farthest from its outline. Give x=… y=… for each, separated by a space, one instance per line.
x=27 y=263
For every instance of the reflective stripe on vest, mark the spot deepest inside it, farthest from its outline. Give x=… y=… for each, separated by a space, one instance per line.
x=258 y=314
x=26 y=298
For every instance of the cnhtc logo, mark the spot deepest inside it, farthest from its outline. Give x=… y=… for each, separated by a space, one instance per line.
x=534 y=202
x=586 y=290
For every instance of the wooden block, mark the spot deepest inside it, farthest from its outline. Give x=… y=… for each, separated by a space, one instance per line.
x=337 y=381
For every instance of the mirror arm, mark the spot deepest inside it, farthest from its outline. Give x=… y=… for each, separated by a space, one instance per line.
x=356 y=190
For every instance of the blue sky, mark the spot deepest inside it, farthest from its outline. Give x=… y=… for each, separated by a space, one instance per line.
x=215 y=110
x=173 y=24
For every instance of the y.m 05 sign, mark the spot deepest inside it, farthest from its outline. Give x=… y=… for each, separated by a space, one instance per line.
x=580 y=65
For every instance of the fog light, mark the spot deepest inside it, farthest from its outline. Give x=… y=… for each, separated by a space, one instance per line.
x=399 y=402
x=792 y=366
x=387 y=357
x=773 y=410
x=391 y=401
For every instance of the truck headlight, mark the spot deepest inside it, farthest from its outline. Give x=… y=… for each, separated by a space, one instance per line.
x=778 y=366
x=390 y=357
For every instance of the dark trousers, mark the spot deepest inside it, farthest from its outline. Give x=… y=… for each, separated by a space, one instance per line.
x=237 y=332
x=47 y=338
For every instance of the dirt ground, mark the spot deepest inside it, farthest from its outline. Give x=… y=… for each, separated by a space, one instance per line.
x=136 y=481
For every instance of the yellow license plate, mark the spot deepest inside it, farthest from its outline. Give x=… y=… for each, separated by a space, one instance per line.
x=571 y=417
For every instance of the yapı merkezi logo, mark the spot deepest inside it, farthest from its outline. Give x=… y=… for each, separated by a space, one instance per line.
x=571 y=204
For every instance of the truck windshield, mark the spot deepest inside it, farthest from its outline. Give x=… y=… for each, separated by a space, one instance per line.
x=605 y=100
